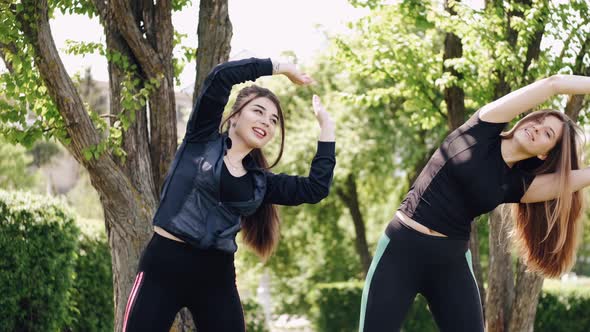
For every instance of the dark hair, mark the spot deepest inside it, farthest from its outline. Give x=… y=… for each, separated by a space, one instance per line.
x=260 y=231
x=547 y=232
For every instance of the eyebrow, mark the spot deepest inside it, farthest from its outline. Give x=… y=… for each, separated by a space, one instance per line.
x=276 y=116
x=553 y=131
x=260 y=106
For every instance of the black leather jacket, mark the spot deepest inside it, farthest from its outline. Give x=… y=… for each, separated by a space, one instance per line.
x=190 y=204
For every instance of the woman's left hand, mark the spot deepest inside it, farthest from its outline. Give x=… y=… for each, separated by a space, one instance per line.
x=327 y=125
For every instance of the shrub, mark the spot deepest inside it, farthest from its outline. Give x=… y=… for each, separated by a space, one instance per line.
x=254 y=316
x=563 y=310
x=92 y=290
x=37 y=257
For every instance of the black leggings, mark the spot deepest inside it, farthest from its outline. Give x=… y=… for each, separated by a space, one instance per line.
x=173 y=275
x=408 y=262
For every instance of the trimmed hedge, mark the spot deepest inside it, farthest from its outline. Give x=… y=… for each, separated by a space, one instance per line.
x=337 y=308
x=38 y=243
x=53 y=278
x=563 y=310
x=92 y=291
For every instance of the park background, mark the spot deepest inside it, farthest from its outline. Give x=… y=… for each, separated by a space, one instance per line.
x=84 y=146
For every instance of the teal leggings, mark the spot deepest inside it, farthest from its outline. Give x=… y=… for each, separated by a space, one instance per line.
x=408 y=262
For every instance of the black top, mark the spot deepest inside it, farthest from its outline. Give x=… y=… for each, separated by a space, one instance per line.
x=236 y=188
x=465 y=178
x=191 y=204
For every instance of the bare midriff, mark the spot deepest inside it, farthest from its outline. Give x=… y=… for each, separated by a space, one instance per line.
x=417 y=226
x=165 y=234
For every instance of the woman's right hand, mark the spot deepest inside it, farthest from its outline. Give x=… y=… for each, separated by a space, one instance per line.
x=327 y=125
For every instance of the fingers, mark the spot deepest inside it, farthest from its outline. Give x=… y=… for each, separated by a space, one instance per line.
x=324 y=119
x=317 y=104
x=309 y=79
x=305 y=79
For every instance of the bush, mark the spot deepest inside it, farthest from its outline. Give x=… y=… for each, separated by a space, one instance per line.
x=563 y=310
x=337 y=306
x=92 y=291
x=37 y=257
x=254 y=316
x=338 y=309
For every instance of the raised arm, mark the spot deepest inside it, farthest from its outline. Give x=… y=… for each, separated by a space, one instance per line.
x=208 y=109
x=524 y=99
x=286 y=189
x=207 y=112
x=545 y=186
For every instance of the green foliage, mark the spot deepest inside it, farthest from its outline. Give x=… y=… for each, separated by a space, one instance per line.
x=24 y=91
x=582 y=265
x=22 y=88
x=14 y=163
x=81 y=7
x=254 y=316
x=92 y=291
x=560 y=310
x=384 y=85
x=43 y=151
x=38 y=250
x=178 y=5
x=188 y=55
x=84 y=199
x=336 y=307
x=54 y=278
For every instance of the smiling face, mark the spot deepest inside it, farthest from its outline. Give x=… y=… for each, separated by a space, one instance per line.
x=538 y=136
x=256 y=123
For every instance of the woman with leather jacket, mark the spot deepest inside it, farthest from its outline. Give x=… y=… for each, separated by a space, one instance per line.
x=218 y=184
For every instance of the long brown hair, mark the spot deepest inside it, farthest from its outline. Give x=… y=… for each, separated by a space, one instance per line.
x=547 y=233
x=260 y=230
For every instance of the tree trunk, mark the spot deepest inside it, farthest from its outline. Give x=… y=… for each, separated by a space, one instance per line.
x=500 y=293
x=10 y=49
x=141 y=32
x=349 y=196
x=128 y=229
x=215 y=32
x=510 y=304
x=162 y=103
x=524 y=308
x=575 y=103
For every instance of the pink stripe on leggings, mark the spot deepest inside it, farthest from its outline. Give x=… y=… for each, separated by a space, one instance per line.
x=132 y=298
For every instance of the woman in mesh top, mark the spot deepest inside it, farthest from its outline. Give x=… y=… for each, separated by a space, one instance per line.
x=478 y=167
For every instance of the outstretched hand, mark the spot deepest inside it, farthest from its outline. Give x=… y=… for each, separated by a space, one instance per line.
x=293 y=74
x=299 y=78
x=324 y=118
